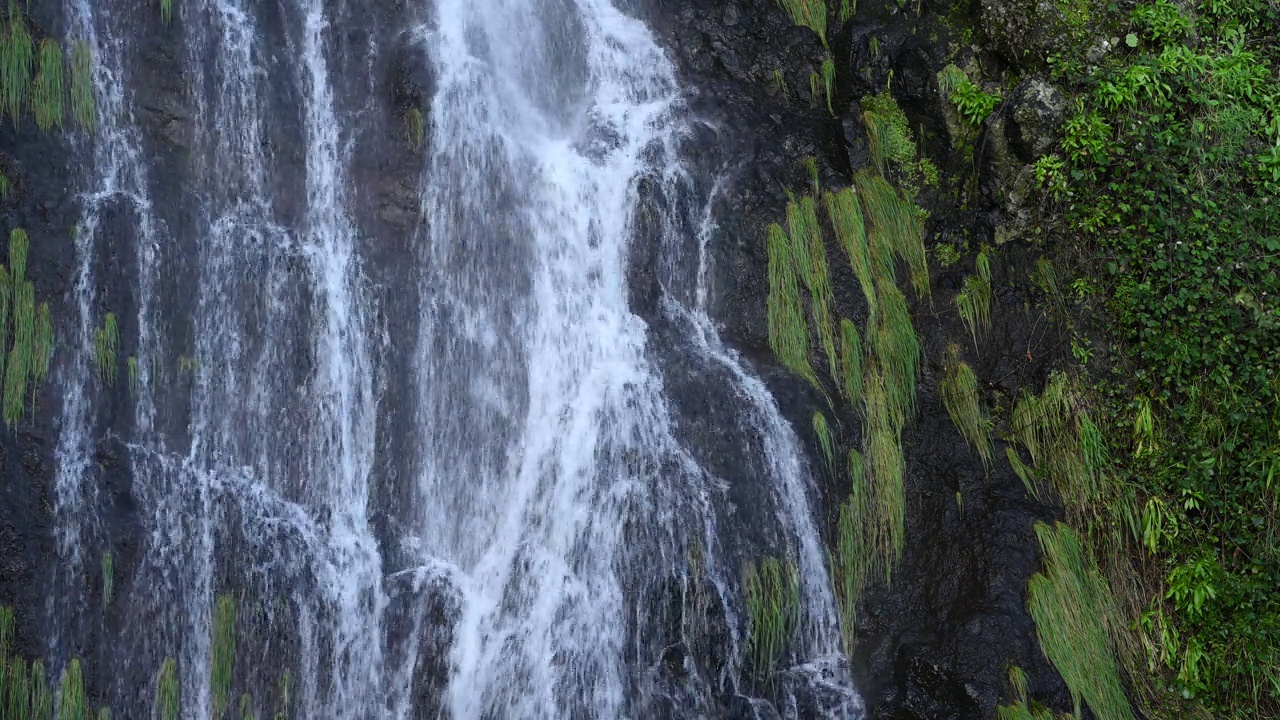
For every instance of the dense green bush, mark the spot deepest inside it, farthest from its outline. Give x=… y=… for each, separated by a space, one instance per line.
x=1170 y=167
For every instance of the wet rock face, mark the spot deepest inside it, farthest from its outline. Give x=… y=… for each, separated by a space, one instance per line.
x=938 y=642
x=1025 y=129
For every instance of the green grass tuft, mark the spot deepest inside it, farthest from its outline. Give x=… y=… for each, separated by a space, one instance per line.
x=963 y=400
x=847 y=9
x=83 y=107
x=46 y=92
x=895 y=350
x=168 y=693
x=773 y=610
x=806 y=240
x=823 y=431
x=895 y=231
x=850 y=559
x=788 y=329
x=808 y=13
x=882 y=447
x=811 y=168
x=829 y=84
x=845 y=213
x=1066 y=447
x=973 y=302
x=1070 y=603
x=246 y=707
x=132 y=365
x=166 y=11
x=41 y=703
x=224 y=652
x=71 y=702
x=106 y=350
x=17 y=52
x=850 y=361
x=21 y=356
x=108 y=577
x=415 y=128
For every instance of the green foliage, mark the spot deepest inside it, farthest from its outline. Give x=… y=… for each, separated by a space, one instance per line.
x=71 y=701
x=895 y=352
x=1065 y=445
x=773 y=611
x=823 y=432
x=851 y=559
x=32 y=345
x=246 y=707
x=788 y=329
x=973 y=302
x=1169 y=159
x=806 y=238
x=969 y=99
x=891 y=138
x=1073 y=611
x=846 y=218
x=83 y=107
x=415 y=128
x=108 y=577
x=808 y=13
x=224 y=653
x=847 y=9
x=166 y=11
x=17 y=53
x=963 y=400
x=895 y=231
x=168 y=701
x=946 y=254
x=106 y=349
x=829 y=83
x=46 y=93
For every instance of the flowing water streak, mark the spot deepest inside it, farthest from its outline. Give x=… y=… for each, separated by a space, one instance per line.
x=118 y=176
x=536 y=161
x=344 y=419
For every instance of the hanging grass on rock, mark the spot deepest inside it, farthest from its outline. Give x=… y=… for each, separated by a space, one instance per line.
x=974 y=299
x=773 y=611
x=823 y=431
x=845 y=213
x=807 y=246
x=1066 y=446
x=46 y=92
x=83 y=107
x=17 y=52
x=963 y=400
x=851 y=559
x=224 y=653
x=1072 y=608
x=808 y=13
x=895 y=231
x=788 y=329
x=168 y=701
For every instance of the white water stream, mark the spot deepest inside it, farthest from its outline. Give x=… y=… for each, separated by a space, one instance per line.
x=551 y=488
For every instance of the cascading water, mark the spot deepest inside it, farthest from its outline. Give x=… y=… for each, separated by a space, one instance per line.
x=555 y=501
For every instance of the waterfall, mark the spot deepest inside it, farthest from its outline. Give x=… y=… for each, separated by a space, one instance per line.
x=553 y=497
